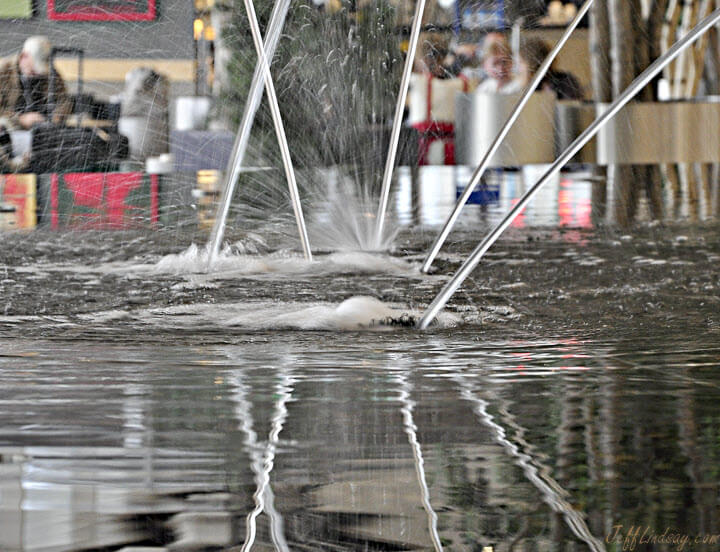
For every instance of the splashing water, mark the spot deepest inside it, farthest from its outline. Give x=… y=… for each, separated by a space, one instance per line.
x=355 y=313
x=233 y=261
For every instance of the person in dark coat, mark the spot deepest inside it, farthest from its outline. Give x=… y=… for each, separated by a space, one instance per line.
x=25 y=94
x=533 y=51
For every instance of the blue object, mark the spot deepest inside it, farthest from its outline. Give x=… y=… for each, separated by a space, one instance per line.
x=482 y=195
x=500 y=14
x=489 y=16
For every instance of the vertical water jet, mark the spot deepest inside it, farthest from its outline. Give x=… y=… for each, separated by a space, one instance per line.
x=397 y=121
x=232 y=172
x=279 y=128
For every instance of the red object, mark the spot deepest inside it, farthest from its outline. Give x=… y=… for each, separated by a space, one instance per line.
x=19 y=190
x=103 y=200
x=431 y=131
x=101 y=10
x=54 y=214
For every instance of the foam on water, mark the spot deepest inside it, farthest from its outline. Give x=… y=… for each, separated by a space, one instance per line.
x=355 y=313
x=192 y=264
x=228 y=264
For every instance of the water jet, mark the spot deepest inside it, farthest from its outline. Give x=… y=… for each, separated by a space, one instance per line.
x=635 y=87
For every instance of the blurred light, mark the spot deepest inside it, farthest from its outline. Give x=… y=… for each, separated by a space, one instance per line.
x=446 y=4
x=198 y=26
x=209 y=32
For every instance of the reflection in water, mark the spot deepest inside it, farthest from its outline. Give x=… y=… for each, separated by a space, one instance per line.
x=97 y=452
x=428 y=197
x=411 y=430
x=549 y=488
x=262 y=459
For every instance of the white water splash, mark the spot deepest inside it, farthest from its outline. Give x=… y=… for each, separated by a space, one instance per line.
x=229 y=264
x=355 y=313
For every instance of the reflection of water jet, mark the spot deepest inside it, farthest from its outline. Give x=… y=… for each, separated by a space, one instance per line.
x=263 y=460
x=550 y=490
x=411 y=430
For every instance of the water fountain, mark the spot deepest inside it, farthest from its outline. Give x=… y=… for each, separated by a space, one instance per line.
x=138 y=397
x=636 y=86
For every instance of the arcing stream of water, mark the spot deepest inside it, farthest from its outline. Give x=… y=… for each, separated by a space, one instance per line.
x=447 y=292
x=512 y=118
x=635 y=87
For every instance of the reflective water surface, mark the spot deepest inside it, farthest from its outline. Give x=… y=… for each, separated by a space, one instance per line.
x=567 y=400
x=350 y=442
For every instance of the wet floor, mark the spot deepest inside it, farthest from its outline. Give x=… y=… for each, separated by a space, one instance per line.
x=567 y=398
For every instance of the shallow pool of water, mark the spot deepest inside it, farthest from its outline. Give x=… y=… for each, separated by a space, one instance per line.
x=567 y=399
x=352 y=441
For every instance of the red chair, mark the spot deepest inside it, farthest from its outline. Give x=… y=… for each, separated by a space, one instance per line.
x=432 y=131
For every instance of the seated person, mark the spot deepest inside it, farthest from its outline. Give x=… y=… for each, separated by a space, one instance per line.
x=24 y=93
x=498 y=66
x=533 y=51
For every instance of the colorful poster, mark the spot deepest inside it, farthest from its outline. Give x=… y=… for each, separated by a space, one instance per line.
x=101 y=10
x=18 y=201
x=16 y=9
x=103 y=200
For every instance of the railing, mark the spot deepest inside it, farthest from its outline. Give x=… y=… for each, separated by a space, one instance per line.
x=641 y=133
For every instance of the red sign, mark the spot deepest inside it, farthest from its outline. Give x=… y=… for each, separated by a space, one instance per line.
x=101 y=10
x=103 y=200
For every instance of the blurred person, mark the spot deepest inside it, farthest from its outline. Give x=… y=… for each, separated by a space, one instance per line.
x=431 y=102
x=434 y=57
x=24 y=88
x=498 y=65
x=533 y=51
x=463 y=62
x=24 y=94
x=144 y=112
x=493 y=37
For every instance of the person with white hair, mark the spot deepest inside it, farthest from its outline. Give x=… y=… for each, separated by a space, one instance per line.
x=25 y=93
